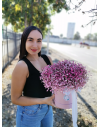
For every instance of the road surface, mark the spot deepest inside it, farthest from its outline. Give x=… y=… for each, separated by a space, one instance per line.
x=83 y=55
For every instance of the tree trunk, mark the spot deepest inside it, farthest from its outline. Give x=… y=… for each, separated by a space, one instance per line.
x=26 y=18
x=30 y=23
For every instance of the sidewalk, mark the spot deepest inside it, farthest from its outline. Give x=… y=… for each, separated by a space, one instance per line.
x=87 y=99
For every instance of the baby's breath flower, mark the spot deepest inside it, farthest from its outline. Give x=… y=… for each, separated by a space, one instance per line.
x=65 y=74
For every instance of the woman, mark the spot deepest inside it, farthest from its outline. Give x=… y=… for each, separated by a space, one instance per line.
x=34 y=103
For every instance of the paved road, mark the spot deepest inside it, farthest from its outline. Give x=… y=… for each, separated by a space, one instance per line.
x=83 y=55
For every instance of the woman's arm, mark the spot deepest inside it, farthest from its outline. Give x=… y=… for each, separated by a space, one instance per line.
x=19 y=76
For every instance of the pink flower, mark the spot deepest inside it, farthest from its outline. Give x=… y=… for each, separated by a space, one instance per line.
x=64 y=74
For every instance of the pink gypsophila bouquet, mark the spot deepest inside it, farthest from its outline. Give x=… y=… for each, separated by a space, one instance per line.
x=65 y=74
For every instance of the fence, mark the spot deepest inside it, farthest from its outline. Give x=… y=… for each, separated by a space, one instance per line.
x=10 y=46
x=68 y=41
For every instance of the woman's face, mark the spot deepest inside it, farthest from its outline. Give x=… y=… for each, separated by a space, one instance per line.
x=34 y=42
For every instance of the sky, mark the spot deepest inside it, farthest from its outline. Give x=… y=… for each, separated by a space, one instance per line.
x=60 y=20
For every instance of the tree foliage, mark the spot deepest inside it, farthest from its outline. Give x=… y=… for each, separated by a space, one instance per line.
x=92 y=37
x=61 y=35
x=89 y=37
x=23 y=13
x=95 y=37
x=77 y=36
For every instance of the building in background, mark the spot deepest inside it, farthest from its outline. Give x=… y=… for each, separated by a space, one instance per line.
x=70 y=30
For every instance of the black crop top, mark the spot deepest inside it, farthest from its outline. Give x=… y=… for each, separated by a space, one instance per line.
x=33 y=86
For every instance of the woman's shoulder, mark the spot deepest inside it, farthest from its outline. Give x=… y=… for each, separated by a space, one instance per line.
x=21 y=62
x=20 y=70
x=49 y=57
x=21 y=65
x=46 y=55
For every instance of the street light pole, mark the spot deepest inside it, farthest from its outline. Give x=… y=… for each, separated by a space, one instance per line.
x=48 y=44
x=92 y=19
x=48 y=37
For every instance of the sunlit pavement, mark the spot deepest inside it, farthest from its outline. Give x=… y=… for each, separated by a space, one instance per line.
x=75 y=52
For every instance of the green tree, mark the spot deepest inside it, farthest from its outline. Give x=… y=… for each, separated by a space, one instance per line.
x=77 y=36
x=95 y=37
x=23 y=13
x=88 y=37
x=61 y=35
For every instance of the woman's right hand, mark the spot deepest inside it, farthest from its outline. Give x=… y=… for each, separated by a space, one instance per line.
x=50 y=100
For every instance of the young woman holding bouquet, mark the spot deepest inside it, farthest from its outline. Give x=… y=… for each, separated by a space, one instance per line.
x=34 y=103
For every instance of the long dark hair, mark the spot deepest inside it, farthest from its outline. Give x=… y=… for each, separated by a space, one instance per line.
x=24 y=36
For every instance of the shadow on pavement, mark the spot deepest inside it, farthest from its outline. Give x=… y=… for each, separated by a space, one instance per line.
x=88 y=106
